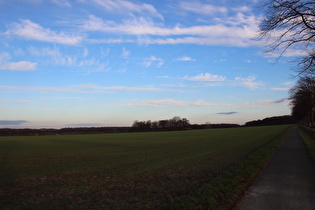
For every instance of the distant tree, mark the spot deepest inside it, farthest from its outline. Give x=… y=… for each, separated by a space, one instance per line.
x=174 y=123
x=185 y=123
x=154 y=125
x=162 y=124
x=290 y=24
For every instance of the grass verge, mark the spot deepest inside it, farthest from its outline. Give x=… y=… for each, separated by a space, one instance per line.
x=308 y=136
x=227 y=187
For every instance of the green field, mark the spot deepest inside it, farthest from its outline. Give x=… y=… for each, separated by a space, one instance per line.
x=119 y=171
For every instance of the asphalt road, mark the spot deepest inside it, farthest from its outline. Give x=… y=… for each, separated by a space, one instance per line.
x=287 y=182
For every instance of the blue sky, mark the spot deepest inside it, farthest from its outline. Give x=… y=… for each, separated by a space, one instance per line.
x=109 y=62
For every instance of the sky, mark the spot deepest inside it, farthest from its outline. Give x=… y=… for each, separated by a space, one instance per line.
x=74 y=63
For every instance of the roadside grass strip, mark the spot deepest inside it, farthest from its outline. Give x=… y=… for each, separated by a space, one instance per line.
x=308 y=136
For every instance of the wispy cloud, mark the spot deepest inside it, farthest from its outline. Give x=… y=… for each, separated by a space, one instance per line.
x=242 y=9
x=85 y=125
x=227 y=113
x=206 y=77
x=185 y=58
x=58 y=58
x=280 y=88
x=287 y=87
x=200 y=8
x=249 y=82
x=85 y=52
x=46 y=51
x=228 y=40
x=153 y=60
x=283 y=100
x=146 y=26
x=164 y=77
x=63 y=3
x=6 y=64
x=105 y=52
x=12 y=122
x=18 y=51
x=236 y=34
x=120 y=88
x=30 y=30
x=288 y=83
x=264 y=103
x=14 y=101
x=65 y=98
x=172 y=102
x=82 y=88
x=125 y=53
x=127 y=7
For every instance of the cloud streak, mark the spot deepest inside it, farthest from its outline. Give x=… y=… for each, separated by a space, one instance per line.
x=29 y=30
x=127 y=7
x=12 y=122
x=172 y=102
x=6 y=64
x=264 y=103
x=236 y=34
x=153 y=60
x=85 y=125
x=63 y=3
x=227 y=113
x=202 y=9
x=185 y=58
x=84 y=88
x=206 y=77
x=249 y=82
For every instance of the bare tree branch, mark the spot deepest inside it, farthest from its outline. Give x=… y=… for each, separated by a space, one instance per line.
x=290 y=24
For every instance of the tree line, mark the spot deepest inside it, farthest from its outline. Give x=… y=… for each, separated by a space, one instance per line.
x=62 y=131
x=175 y=123
x=302 y=97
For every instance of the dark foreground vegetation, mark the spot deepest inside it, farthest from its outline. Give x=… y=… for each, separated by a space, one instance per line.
x=197 y=169
x=173 y=124
x=278 y=120
x=308 y=136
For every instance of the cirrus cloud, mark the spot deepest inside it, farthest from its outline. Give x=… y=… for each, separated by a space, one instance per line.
x=172 y=102
x=127 y=7
x=153 y=60
x=249 y=82
x=12 y=122
x=185 y=58
x=238 y=33
x=200 y=8
x=207 y=77
x=227 y=113
x=30 y=30
x=6 y=64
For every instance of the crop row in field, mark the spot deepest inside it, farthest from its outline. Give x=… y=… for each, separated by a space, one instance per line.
x=130 y=170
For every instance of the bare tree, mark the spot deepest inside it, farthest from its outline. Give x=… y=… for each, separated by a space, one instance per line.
x=290 y=25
